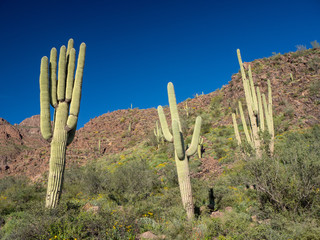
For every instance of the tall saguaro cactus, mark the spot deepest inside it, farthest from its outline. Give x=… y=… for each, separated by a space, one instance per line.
x=259 y=112
x=181 y=154
x=252 y=105
x=64 y=95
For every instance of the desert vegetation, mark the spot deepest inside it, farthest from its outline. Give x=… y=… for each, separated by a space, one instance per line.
x=264 y=188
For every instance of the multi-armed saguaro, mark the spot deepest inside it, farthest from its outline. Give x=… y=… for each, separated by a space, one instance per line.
x=259 y=112
x=64 y=96
x=181 y=154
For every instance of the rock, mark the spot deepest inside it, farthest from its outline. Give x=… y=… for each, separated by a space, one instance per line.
x=88 y=207
x=150 y=235
x=217 y=214
x=228 y=209
x=254 y=218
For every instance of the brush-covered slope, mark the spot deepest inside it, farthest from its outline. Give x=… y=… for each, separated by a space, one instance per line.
x=295 y=79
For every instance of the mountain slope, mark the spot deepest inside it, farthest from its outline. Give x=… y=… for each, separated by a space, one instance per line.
x=295 y=79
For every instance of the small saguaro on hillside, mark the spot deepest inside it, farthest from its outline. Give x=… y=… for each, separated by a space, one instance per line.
x=64 y=95
x=181 y=154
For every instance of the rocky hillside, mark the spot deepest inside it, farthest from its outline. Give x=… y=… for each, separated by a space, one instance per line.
x=295 y=79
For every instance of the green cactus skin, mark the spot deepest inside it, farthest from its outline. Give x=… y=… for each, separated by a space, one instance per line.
x=271 y=129
x=291 y=77
x=187 y=109
x=181 y=155
x=269 y=117
x=64 y=95
x=250 y=105
x=253 y=92
x=236 y=129
x=158 y=134
x=260 y=111
x=245 y=127
x=45 y=121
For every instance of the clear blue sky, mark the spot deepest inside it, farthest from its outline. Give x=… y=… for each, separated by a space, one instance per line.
x=135 y=47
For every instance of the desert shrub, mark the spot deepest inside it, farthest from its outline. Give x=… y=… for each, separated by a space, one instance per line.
x=301 y=47
x=301 y=51
x=314 y=87
x=281 y=125
x=289 y=111
x=216 y=101
x=314 y=64
x=131 y=182
x=315 y=44
x=85 y=181
x=151 y=140
x=290 y=180
x=206 y=124
x=17 y=194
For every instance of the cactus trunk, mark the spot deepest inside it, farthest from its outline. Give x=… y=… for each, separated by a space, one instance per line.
x=58 y=156
x=185 y=185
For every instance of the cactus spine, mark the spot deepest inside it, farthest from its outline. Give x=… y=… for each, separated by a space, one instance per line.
x=260 y=112
x=64 y=96
x=181 y=154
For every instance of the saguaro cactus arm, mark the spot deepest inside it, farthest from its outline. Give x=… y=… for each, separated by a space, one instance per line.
x=173 y=104
x=244 y=124
x=266 y=112
x=236 y=129
x=253 y=92
x=164 y=125
x=76 y=93
x=195 y=137
x=270 y=102
x=260 y=108
x=45 y=119
x=53 y=77
x=70 y=76
x=62 y=73
x=178 y=140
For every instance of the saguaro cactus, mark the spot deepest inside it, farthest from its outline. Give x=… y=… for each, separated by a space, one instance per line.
x=252 y=105
x=269 y=116
x=158 y=134
x=259 y=112
x=181 y=154
x=200 y=148
x=64 y=96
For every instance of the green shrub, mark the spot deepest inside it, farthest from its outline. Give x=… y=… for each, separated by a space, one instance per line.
x=131 y=182
x=290 y=180
x=17 y=194
x=314 y=87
